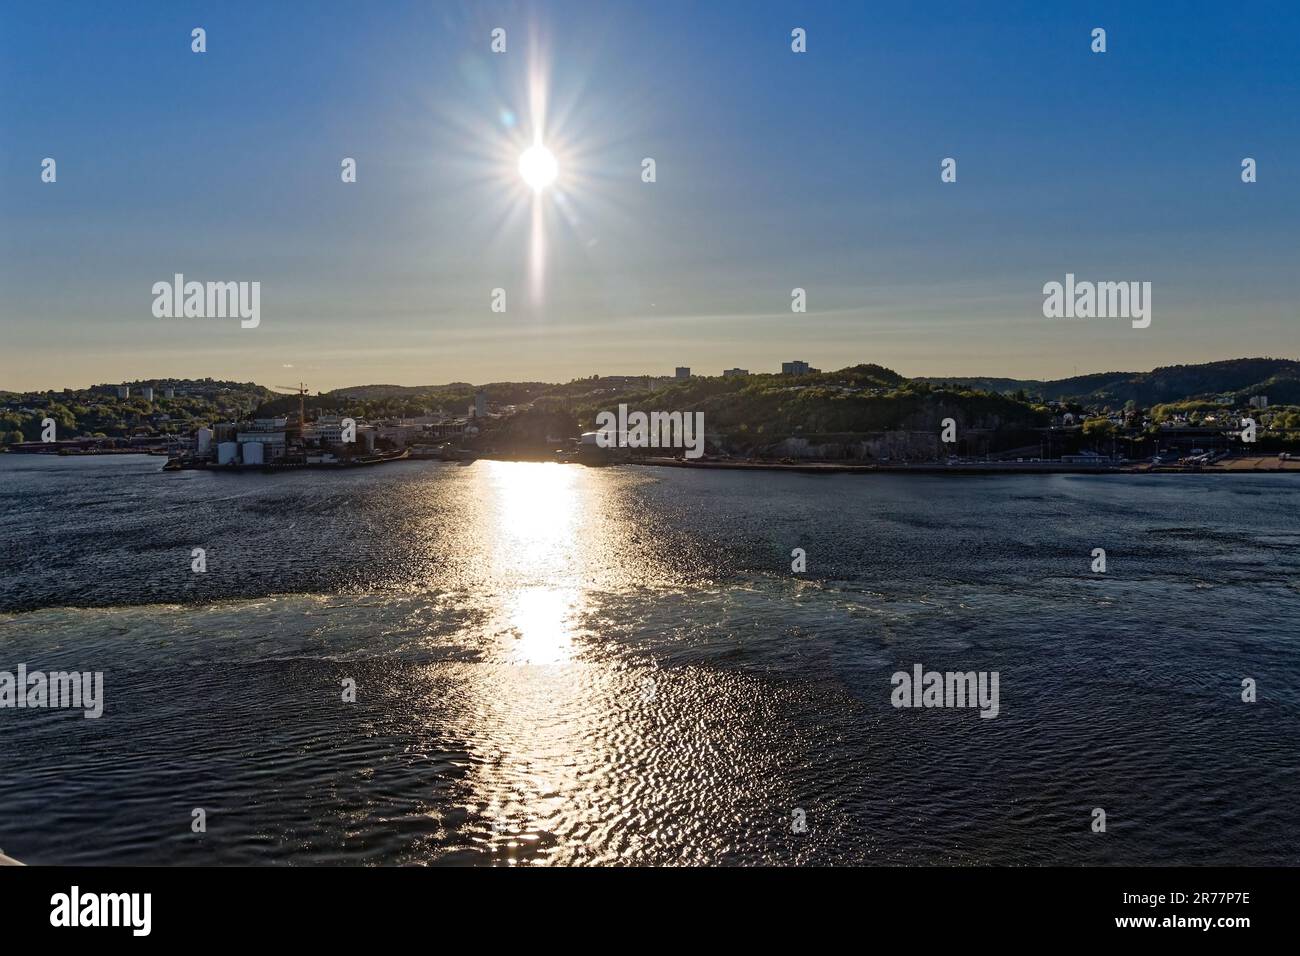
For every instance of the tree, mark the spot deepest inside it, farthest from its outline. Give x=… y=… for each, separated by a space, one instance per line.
x=1095 y=428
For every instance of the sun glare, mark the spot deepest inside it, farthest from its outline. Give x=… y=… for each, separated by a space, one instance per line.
x=538 y=167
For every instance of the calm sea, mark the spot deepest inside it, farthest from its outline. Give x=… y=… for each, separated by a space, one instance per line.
x=556 y=664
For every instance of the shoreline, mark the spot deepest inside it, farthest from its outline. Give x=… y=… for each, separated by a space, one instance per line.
x=1253 y=465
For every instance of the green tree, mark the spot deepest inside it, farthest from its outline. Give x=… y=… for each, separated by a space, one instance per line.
x=1095 y=428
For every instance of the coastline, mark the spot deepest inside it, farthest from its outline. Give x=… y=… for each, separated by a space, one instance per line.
x=1254 y=465
x=1250 y=465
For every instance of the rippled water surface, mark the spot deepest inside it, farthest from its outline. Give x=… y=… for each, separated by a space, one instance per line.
x=556 y=664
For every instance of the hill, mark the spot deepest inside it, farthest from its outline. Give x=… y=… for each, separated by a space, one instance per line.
x=1279 y=379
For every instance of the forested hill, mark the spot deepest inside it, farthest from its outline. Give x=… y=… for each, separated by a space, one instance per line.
x=1279 y=379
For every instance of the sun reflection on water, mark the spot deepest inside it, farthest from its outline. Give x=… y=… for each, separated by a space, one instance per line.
x=536 y=542
x=542 y=621
x=535 y=506
x=558 y=725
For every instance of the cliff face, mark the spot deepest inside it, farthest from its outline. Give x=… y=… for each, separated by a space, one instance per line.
x=917 y=445
x=902 y=428
x=880 y=446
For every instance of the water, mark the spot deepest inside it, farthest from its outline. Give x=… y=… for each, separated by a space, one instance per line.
x=557 y=664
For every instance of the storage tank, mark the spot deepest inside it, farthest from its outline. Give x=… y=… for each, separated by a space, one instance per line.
x=204 y=441
x=227 y=452
x=252 y=452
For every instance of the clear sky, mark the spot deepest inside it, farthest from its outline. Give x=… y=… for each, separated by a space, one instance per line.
x=775 y=170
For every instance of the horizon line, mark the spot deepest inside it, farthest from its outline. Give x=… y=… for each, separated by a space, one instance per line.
x=651 y=375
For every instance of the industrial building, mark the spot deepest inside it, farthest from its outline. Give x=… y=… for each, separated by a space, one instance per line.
x=261 y=440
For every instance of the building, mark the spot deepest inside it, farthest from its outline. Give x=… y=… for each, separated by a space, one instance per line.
x=590 y=450
x=683 y=373
x=448 y=428
x=146 y=392
x=123 y=391
x=269 y=433
x=734 y=372
x=169 y=393
x=327 y=430
x=1259 y=401
x=399 y=435
x=1176 y=440
x=479 y=408
x=798 y=368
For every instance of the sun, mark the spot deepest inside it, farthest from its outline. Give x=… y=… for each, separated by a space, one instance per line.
x=538 y=167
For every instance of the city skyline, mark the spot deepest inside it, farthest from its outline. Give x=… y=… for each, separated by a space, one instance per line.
x=658 y=376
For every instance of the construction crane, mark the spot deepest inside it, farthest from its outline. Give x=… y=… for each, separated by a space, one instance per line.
x=301 y=391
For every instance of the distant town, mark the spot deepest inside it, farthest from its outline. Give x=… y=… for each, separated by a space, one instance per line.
x=1232 y=415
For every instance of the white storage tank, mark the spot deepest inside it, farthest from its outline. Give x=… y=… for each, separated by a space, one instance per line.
x=252 y=452
x=204 y=441
x=227 y=452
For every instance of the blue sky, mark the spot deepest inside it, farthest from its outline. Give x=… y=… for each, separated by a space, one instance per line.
x=775 y=170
